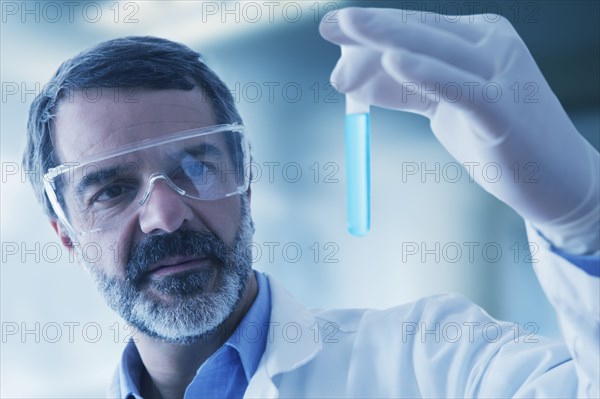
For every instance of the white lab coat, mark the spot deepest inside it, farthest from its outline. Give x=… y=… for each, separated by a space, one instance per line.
x=440 y=346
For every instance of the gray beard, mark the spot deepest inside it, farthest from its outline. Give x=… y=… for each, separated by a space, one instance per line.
x=184 y=312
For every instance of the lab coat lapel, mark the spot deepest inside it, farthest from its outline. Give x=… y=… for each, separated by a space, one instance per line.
x=290 y=342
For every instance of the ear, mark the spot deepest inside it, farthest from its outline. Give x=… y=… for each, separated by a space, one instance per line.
x=62 y=233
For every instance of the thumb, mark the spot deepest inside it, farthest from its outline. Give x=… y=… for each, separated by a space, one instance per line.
x=356 y=67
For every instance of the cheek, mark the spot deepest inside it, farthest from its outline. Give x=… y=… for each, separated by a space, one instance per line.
x=222 y=217
x=108 y=253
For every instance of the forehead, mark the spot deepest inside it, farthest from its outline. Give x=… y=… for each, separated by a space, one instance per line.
x=96 y=121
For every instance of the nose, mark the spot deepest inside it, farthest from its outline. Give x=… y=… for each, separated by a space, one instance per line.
x=163 y=209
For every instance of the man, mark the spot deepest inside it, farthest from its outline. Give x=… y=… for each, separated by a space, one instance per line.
x=160 y=181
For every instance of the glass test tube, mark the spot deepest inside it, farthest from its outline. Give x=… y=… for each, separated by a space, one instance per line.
x=358 y=169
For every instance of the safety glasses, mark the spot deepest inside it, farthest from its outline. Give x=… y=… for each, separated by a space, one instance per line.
x=104 y=191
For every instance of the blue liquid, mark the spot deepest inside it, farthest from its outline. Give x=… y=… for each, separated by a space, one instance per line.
x=358 y=174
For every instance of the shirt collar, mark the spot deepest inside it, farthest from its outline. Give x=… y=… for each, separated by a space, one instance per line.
x=249 y=339
x=130 y=372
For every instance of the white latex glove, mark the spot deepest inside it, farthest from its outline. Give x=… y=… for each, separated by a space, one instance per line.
x=488 y=103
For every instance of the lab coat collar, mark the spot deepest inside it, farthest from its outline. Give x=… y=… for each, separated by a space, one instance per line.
x=291 y=341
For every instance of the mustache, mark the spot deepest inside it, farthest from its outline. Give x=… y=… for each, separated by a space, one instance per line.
x=153 y=249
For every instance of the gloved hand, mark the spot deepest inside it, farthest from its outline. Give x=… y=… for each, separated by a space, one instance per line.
x=488 y=104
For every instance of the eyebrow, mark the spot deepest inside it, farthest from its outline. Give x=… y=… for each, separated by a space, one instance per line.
x=101 y=175
x=204 y=149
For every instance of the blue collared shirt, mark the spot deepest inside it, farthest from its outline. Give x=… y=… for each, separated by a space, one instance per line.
x=227 y=372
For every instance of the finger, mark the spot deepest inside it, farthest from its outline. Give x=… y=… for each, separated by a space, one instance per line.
x=330 y=30
x=359 y=72
x=432 y=75
x=471 y=28
x=441 y=82
x=384 y=31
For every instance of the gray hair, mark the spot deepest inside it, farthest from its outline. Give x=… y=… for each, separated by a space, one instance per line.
x=129 y=62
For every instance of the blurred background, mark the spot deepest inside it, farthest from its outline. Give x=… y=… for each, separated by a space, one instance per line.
x=59 y=339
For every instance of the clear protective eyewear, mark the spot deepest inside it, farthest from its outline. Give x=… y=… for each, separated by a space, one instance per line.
x=103 y=191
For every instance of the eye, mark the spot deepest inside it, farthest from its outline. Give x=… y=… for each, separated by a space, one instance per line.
x=110 y=192
x=197 y=168
x=200 y=171
x=113 y=194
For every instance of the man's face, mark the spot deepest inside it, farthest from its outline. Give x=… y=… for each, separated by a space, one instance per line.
x=177 y=267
